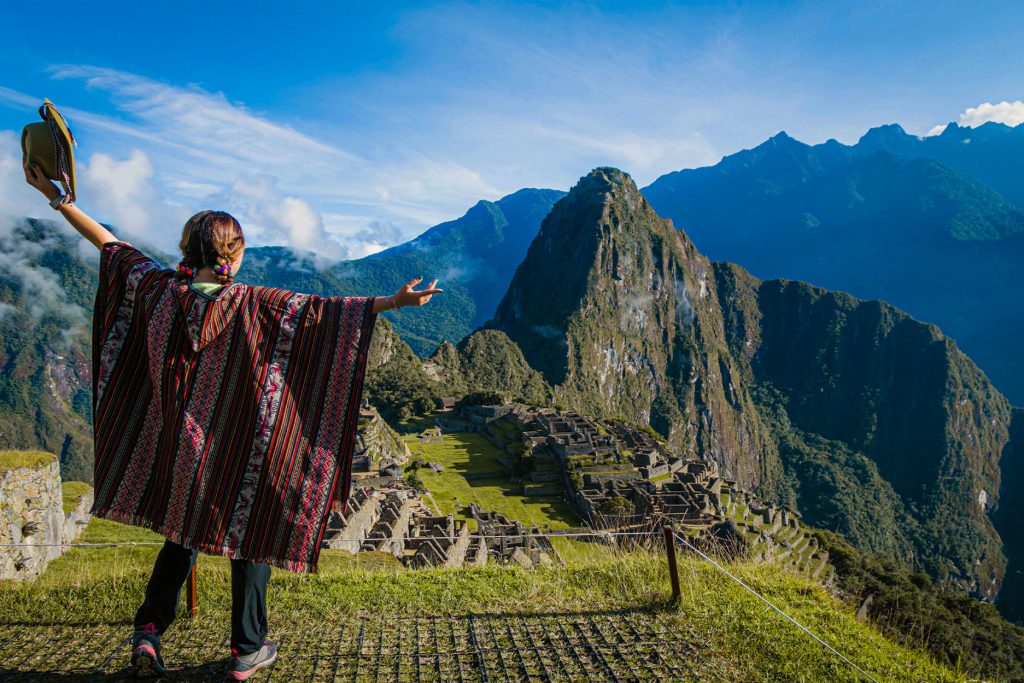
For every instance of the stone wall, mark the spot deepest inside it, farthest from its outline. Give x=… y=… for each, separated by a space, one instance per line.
x=32 y=516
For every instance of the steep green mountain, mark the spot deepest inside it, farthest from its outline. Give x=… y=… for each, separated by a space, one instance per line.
x=46 y=302
x=884 y=423
x=473 y=258
x=618 y=310
x=488 y=360
x=928 y=225
x=866 y=419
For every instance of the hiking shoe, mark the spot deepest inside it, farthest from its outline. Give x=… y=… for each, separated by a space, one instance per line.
x=242 y=666
x=146 y=659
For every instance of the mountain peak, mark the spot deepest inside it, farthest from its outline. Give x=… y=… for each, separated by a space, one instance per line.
x=604 y=179
x=885 y=136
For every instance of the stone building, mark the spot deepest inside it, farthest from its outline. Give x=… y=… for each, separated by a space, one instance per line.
x=32 y=515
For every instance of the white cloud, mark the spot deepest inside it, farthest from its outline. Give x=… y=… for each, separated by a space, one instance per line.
x=122 y=191
x=270 y=217
x=1010 y=113
x=199 y=144
x=42 y=294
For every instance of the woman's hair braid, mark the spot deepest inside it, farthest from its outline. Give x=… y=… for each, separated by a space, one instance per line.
x=211 y=238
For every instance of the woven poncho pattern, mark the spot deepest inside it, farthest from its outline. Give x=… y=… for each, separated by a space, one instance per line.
x=225 y=423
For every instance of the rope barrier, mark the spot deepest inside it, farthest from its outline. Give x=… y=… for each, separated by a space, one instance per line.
x=769 y=603
x=369 y=538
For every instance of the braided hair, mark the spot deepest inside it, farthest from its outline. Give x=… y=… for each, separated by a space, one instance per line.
x=214 y=239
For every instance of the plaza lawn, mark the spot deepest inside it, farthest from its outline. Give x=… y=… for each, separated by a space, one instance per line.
x=469 y=453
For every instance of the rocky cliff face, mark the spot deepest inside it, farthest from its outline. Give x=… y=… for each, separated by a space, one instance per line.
x=1009 y=520
x=892 y=402
x=619 y=311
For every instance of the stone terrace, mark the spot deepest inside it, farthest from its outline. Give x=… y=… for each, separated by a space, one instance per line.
x=593 y=463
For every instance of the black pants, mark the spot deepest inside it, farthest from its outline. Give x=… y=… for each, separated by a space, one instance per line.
x=248 y=596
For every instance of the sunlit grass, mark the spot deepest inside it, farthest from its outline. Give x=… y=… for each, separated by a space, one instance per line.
x=738 y=636
x=12 y=460
x=72 y=492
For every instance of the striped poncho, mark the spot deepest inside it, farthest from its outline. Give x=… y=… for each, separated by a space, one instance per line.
x=224 y=423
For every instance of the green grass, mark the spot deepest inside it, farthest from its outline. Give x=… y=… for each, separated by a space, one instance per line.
x=83 y=566
x=739 y=638
x=72 y=492
x=12 y=460
x=462 y=453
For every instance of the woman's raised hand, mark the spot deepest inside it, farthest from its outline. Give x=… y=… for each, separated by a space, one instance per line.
x=407 y=296
x=34 y=177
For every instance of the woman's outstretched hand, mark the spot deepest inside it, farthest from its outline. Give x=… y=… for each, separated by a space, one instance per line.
x=406 y=296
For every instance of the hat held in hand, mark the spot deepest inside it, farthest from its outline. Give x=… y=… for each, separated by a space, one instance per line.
x=49 y=144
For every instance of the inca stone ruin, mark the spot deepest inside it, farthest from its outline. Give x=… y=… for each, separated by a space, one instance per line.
x=616 y=476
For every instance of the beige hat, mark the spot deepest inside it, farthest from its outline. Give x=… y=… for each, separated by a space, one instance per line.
x=50 y=145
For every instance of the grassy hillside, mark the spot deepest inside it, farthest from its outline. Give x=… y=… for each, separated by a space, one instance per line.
x=734 y=637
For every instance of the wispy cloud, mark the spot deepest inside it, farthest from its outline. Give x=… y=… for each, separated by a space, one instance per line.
x=169 y=151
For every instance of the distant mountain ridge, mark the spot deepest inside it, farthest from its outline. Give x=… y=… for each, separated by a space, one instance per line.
x=933 y=225
x=472 y=256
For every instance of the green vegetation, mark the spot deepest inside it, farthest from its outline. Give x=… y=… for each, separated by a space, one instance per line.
x=468 y=454
x=414 y=480
x=12 y=460
x=398 y=387
x=45 y=395
x=616 y=505
x=71 y=493
x=910 y=608
x=463 y=454
x=738 y=640
x=1007 y=517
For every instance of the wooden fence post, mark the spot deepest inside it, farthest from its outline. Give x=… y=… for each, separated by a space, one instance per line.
x=673 y=568
x=190 y=585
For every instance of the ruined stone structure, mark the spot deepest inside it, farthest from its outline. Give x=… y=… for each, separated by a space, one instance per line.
x=377 y=445
x=32 y=516
x=505 y=540
x=618 y=476
x=396 y=521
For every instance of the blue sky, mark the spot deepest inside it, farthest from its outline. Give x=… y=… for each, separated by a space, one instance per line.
x=334 y=127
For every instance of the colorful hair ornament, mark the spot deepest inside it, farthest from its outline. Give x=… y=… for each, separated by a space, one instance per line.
x=223 y=271
x=186 y=268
